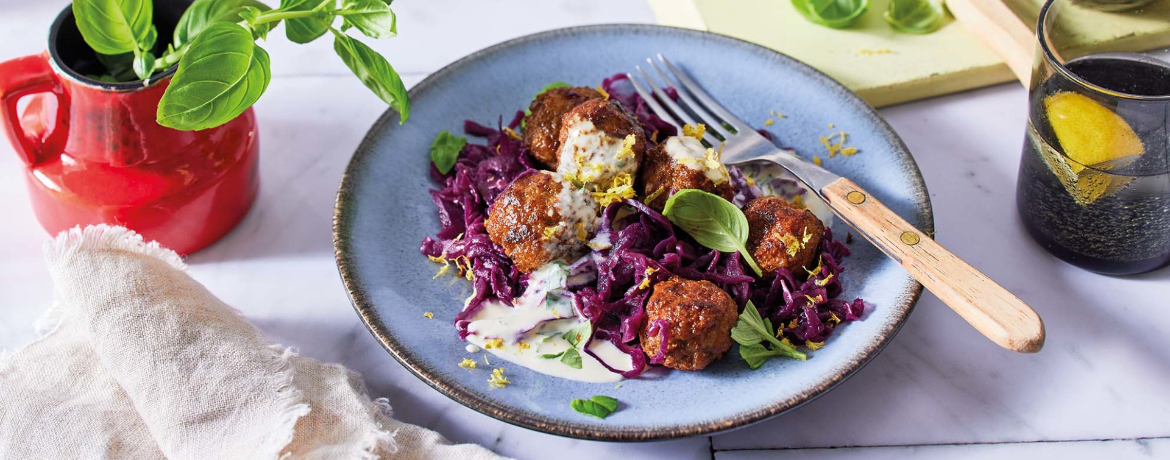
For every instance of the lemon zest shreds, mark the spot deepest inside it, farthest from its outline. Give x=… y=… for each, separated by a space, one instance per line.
x=654 y=195
x=428 y=315
x=620 y=188
x=792 y=245
x=626 y=153
x=798 y=201
x=646 y=282
x=769 y=122
x=817 y=161
x=496 y=343
x=751 y=181
x=696 y=130
x=835 y=144
x=617 y=387
x=804 y=239
x=524 y=345
x=820 y=265
x=824 y=281
x=485 y=360
x=497 y=380
x=467 y=363
x=814 y=346
x=792 y=324
x=778 y=114
x=549 y=232
x=512 y=134
x=442 y=270
x=833 y=319
x=604 y=93
x=581 y=233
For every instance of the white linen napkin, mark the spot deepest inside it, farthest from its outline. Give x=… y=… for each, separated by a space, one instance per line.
x=139 y=361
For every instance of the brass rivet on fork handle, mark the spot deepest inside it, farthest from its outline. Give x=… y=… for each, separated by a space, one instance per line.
x=855 y=197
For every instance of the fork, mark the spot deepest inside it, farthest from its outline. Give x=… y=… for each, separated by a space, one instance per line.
x=988 y=307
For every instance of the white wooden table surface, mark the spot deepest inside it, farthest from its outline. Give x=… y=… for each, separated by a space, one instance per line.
x=1100 y=388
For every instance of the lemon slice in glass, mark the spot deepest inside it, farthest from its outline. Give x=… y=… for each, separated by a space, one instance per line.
x=1094 y=140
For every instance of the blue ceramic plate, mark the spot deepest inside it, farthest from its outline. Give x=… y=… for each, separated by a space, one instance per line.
x=384 y=212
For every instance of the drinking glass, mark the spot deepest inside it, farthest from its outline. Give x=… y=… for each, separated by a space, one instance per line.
x=1094 y=183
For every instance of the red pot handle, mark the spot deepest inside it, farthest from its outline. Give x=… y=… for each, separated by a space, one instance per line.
x=21 y=77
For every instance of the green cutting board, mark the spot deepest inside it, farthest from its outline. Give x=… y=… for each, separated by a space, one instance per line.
x=887 y=67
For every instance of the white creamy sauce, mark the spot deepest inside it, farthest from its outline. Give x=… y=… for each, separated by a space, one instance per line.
x=763 y=174
x=578 y=212
x=592 y=156
x=536 y=326
x=691 y=153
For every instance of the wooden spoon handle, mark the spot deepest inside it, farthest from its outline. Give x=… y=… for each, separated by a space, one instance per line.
x=987 y=306
x=994 y=23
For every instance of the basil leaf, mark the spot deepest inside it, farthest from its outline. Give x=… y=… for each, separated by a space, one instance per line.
x=222 y=74
x=606 y=402
x=445 y=150
x=552 y=355
x=579 y=334
x=712 y=221
x=831 y=13
x=114 y=26
x=572 y=358
x=750 y=328
x=203 y=13
x=304 y=30
x=597 y=406
x=144 y=65
x=373 y=70
x=915 y=16
x=755 y=354
x=373 y=18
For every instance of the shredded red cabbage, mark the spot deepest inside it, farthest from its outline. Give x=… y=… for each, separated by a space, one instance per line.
x=610 y=286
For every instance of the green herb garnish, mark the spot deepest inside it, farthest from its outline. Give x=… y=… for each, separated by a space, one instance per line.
x=572 y=358
x=598 y=406
x=552 y=355
x=712 y=221
x=222 y=71
x=445 y=150
x=751 y=331
x=915 y=16
x=831 y=13
x=579 y=333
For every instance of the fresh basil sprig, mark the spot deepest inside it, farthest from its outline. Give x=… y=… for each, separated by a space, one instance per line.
x=751 y=331
x=712 y=221
x=915 y=16
x=223 y=73
x=831 y=13
x=114 y=27
x=445 y=150
x=221 y=70
x=598 y=406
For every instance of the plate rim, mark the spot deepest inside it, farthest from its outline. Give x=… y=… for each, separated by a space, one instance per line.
x=908 y=298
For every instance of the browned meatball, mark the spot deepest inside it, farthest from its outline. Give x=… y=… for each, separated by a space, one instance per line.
x=600 y=141
x=540 y=218
x=542 y=127
x=700 y=316
x=681 y=163
x=781 y=235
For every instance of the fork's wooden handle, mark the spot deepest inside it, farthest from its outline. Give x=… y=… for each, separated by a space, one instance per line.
x=994 y=23
x=987 y=306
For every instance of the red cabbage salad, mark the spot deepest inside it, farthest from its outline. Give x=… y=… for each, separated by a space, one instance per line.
x=610 y=285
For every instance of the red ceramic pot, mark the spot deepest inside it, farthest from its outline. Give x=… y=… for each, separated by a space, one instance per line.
x=93 y=152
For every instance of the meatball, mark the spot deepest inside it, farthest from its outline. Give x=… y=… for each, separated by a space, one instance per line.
x=542 y=127
x=540 y=218
x=599 y=143
x=681 y=163
x=700 y=316
x=781 y=235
